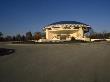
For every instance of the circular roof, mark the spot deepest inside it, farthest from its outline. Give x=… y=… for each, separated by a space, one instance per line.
x=67 y=22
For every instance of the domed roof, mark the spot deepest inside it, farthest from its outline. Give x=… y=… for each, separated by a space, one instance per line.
x=67 y=22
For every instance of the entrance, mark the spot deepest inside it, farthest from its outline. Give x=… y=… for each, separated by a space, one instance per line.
x=63 y=37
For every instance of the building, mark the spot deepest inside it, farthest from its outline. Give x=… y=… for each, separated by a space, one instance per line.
x=66 y=30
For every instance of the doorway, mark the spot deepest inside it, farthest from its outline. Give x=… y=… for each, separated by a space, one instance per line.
x=63 y=37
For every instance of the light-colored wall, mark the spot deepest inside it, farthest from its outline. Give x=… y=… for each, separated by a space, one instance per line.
x=77 y=34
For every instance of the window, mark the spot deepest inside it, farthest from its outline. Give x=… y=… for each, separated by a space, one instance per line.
x=56 y=27
x=66 y=27
x=49 y=28
x=76 y=27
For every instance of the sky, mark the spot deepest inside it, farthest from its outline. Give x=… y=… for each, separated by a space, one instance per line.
x=21 y=16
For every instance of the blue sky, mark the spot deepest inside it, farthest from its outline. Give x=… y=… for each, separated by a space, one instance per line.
x=20 y=16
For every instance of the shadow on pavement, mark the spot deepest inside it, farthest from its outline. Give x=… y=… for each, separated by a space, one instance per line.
x=5 y=51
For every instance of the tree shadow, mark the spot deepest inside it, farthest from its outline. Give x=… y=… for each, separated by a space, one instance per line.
x=6 y=51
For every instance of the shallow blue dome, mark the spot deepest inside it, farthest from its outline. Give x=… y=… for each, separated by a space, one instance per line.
x=67 y=22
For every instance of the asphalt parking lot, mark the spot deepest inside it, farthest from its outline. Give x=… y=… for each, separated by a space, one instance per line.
x=85 y=62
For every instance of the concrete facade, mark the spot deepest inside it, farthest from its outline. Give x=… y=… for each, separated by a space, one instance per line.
x=66 y=30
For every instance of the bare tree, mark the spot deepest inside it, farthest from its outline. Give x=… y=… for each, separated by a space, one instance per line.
x=1 y=36
x=28 y=36
x=37 y=35
x=23 y=38
x=18 y=37
x=8 y=38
